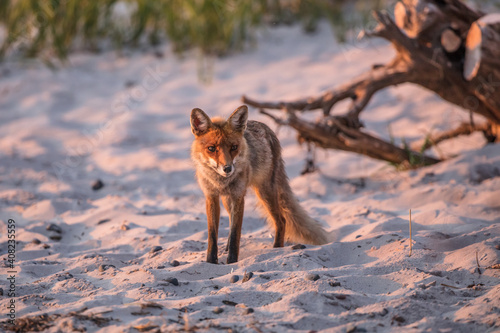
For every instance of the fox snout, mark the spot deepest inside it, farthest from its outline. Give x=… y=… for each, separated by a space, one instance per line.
x=227 y=169
x=224 y=170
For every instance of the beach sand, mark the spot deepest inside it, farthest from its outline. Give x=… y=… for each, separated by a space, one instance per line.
x=129 y=256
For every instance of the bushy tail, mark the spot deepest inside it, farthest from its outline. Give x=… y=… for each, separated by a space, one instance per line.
x=276 y=196
x=300 y=227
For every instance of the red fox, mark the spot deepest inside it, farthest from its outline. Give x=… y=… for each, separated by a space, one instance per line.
x=232 y=155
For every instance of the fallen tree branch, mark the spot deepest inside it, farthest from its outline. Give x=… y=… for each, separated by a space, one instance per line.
x=331 y=133
x=429 y=38
x=462 y=129
x=360 y=91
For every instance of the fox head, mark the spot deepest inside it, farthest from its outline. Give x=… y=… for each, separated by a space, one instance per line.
x=219 y=142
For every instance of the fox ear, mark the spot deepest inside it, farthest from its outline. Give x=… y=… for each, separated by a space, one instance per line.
x=238 y=120
x=200 y=122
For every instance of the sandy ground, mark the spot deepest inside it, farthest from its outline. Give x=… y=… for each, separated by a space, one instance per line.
x=130 y=256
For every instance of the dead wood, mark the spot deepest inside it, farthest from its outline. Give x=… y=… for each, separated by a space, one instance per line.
x=482 y=55
x=430 y=41
x=450 y=40
x=462 y=129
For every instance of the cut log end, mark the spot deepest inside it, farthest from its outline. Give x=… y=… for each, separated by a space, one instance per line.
x=450 y=41
x=472 y=52
x=418 y=17
x=482 y=46
x=400 y=15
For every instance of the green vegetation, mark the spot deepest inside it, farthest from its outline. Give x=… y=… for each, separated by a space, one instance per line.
x=50 y=29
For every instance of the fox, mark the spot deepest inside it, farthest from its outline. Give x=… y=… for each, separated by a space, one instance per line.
x=233 y=155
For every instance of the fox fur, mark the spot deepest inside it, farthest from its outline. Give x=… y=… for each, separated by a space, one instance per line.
x=234 y=154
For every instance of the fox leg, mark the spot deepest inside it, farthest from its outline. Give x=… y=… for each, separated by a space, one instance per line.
x=235 y=208
x=226 y=201
x=213 y=214
x=269 y=199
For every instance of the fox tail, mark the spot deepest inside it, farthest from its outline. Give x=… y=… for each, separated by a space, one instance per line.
x=300 y=227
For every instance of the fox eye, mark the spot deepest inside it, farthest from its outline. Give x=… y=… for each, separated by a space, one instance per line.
x=211 y=149
x=234 y=147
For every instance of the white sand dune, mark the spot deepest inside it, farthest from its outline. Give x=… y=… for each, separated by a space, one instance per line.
x=124 y=119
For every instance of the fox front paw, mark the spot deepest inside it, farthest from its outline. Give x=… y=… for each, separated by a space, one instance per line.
x=212 y=259
x=231 y=258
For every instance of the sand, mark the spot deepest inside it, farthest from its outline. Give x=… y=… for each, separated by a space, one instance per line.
x=129 y=256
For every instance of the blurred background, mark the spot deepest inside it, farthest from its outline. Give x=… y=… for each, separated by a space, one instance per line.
x=51 y=29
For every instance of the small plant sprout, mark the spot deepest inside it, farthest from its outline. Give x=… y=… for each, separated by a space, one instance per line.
x=410 y=237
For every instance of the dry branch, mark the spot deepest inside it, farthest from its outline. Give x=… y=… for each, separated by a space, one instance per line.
x=331 y=133
x=462 y=129
x=429 y=38
x=482 y=54
x=450 y=40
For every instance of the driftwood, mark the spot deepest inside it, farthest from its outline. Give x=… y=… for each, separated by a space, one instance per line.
x=450 y=40
x=433 y=40
x=482 y=55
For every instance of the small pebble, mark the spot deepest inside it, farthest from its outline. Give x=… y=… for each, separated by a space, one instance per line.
x=97 y=185
x=248 y=311
x=124 y=227
x=66 y=276
x=54 y=227
x=312 y=277
x=247 y=277
x=156 y=249
x=334 y=283
x=130 y=83
x=234 y=279
x=174 y=263
x=36 y=241
x=340 y=296
x=384 y=312
x=46 y=246
x=231 y=303
x=172 y=280
x=102 y=268
x=436 y=273
x=497 y=246
x=103 y=221
x=399 y=319
x=56 y=237
x=218 y=310
x=298 y=247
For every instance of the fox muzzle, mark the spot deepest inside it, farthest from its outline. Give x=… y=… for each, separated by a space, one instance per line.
x=227 y=169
